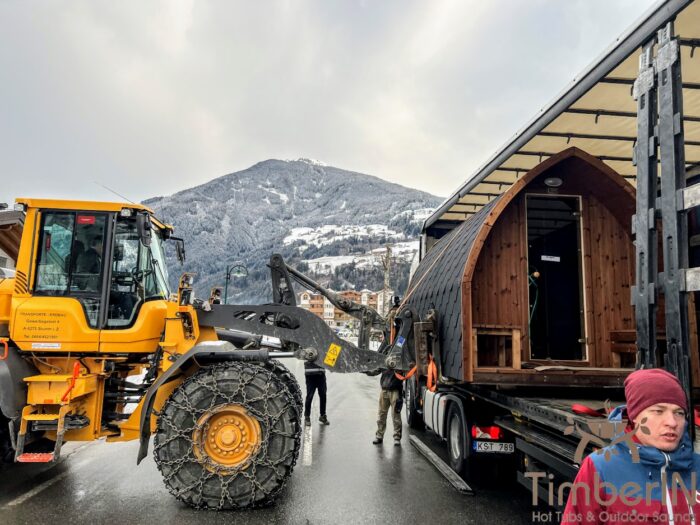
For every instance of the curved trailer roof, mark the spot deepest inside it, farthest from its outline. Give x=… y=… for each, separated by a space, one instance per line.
x=596 y=113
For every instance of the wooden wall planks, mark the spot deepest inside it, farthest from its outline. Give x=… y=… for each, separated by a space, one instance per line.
x=499 y=293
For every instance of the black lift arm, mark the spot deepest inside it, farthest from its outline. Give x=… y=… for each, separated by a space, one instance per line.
x=283 y=274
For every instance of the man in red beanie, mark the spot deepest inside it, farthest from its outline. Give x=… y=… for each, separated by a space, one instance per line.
x=650 y=472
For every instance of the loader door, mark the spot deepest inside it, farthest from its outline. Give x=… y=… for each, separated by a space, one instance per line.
x=555 y=278
x=67 y=297
x=138 y=290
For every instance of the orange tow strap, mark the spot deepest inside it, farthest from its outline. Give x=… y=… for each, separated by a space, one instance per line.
x=432 y=374
x=7 y=349
x=409 y=374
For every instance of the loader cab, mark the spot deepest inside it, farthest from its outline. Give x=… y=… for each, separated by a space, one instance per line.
x=105 y=259
x=111 y=263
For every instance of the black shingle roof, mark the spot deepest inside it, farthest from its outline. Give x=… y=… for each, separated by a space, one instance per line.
x=437 y=285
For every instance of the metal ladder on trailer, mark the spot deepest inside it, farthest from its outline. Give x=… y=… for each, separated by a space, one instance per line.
x=658 y=91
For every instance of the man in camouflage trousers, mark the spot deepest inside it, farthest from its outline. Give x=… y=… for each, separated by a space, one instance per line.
x=389 y=400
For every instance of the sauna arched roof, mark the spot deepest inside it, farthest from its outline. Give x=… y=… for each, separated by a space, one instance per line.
x=437 y=283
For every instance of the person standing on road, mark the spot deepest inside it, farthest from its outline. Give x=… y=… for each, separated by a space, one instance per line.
x=390 y=317
x=390 y=398
x=650 y=471
x=315 y=380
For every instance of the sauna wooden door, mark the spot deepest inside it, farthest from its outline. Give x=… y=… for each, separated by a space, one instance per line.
x=556 y=321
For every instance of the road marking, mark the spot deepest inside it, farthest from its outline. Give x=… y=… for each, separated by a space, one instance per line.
x=307 y=452
x=36 y=490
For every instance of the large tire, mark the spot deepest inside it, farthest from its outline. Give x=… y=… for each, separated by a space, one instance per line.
x=414 y=417
x=289 y=380
x=227 y=438
x=457 y=441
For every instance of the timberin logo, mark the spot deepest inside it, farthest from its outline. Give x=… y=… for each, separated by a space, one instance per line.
x=603 y=435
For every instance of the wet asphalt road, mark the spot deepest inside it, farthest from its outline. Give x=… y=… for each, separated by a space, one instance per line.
x=340 y=477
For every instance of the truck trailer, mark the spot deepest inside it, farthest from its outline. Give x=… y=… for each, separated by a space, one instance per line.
x=564 y=263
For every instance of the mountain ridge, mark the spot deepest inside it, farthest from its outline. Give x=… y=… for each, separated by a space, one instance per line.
x=249 y=214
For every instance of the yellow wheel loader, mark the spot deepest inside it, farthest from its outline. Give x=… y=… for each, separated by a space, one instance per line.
x=93 y=344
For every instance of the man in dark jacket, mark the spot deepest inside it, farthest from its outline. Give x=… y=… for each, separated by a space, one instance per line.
x=650 y=471
x=392 y=392
x=315 y=380
x=89 y=265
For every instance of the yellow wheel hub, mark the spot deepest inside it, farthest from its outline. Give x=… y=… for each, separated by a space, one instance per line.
x=228 y=435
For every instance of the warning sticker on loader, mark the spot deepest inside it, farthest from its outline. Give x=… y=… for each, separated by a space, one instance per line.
x=332 y=355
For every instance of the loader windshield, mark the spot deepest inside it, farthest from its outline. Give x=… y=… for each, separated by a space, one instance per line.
x=139 y=273
x=70 y=258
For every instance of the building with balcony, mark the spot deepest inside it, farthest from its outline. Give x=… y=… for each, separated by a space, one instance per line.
x=336 y=318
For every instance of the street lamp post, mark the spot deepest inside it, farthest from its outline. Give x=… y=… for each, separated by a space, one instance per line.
x=236 y=270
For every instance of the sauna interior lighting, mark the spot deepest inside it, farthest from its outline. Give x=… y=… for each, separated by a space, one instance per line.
x=553 y=182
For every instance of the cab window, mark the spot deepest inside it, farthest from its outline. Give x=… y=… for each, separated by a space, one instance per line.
x=70 y=258
x=139 y=273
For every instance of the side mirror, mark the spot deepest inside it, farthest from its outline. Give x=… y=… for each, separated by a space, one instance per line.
x=143 y=225
x=179 y=248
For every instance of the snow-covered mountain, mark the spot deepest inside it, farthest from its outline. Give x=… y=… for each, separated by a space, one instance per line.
x=329 y=222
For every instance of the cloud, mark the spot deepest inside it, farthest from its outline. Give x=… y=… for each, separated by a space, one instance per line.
x=150 y=98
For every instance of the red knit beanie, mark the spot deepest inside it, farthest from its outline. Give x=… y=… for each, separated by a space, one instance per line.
x=644 y=388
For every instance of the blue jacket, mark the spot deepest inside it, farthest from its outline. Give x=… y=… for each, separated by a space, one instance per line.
x=627 y=478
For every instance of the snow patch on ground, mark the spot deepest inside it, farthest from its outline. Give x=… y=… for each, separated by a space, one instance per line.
x=406 y=251
x=330 y=233
x=283 y=196
x=418 y=215
x=311 y=162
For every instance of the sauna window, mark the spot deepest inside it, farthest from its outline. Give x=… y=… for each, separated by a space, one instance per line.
x=494 y=349
x=556 y=328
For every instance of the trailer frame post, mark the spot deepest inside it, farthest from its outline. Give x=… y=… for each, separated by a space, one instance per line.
x=673 y=213
x=644 y=221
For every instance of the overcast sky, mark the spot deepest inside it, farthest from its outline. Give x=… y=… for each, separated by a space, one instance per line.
x=152 y=97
